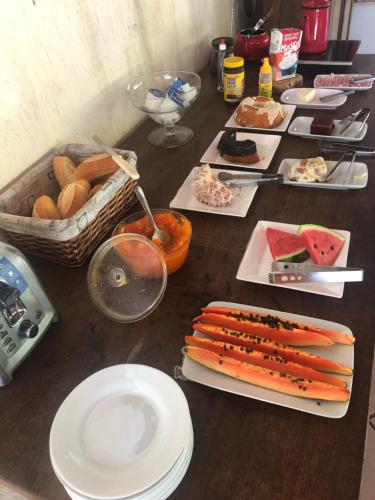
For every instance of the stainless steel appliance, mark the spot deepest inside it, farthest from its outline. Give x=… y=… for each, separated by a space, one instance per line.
x=25 y=311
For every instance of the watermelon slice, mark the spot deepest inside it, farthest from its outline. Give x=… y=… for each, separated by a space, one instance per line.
x=286 y=247
x=323 y=245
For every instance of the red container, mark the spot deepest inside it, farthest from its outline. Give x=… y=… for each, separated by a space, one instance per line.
x=315 y=16
x=252 y=46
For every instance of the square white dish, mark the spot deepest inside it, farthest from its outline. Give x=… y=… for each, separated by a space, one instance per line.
x=266 y=148
x=257 y=259
x=288 y=110
x=343 y=354
x=186 y=200
x=300 y=126
x=343 y=178
x=343 y=78
x=291 y=96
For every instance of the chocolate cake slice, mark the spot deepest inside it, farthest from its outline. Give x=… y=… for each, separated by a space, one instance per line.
x=237 y=151
x=322 y=125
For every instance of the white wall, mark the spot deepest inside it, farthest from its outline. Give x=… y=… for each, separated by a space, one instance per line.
x=65 y=64
x=362 y=24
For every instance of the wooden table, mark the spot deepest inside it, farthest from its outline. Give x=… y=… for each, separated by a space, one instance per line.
x=243 y=448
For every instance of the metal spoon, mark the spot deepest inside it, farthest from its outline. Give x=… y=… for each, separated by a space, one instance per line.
x=159 y=234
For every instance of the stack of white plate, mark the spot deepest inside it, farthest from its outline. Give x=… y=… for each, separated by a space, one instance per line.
x=124 y=432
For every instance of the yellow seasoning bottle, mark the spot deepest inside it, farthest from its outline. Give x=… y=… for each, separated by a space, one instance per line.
x=265 y=79
x=234 y=79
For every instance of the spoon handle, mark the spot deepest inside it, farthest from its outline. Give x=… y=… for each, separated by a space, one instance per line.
x=142 y=200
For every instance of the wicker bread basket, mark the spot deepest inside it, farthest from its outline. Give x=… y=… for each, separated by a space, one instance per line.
x=70 y=241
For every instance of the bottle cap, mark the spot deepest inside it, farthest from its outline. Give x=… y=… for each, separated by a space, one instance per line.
x=266 y=68
x=222 y=45
x=233 y=62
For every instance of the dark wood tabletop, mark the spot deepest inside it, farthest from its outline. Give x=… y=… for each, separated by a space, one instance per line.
x=244 y=448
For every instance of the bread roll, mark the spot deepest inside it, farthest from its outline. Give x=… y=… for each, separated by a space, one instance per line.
x=73 y=197
x=45 y=208
x=95 y=189
x=65 y=171
x=95 y=167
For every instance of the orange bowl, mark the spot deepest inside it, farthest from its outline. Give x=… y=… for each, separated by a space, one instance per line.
x=175 y=224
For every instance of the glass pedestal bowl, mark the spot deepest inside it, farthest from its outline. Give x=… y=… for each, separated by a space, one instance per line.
x=148 y=93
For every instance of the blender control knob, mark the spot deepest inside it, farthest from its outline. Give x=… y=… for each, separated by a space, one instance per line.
x=27 y=329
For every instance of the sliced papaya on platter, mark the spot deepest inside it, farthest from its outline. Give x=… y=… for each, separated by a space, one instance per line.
x=266 y=378
x=268 y=346
x=285 y=332
x=278 y=321
x=258 y=358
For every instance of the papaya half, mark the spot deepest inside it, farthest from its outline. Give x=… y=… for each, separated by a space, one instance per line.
x=268 y=327
x=268 y=346
x=337 y=337
x=263 y=377
x=250 y=355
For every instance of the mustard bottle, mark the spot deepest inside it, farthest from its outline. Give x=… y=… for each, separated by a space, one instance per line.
x=265 y=79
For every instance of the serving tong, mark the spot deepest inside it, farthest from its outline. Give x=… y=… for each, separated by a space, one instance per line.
x=289 y=272
x=249 y=179
x=346 y=122
x=341 y=146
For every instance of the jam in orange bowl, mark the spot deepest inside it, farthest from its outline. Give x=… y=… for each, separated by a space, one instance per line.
x=176 y=225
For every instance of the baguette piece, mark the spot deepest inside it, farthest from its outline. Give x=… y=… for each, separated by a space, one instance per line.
x=45 y=208
x=64 y=169
x=73 y=197
x=96 y=166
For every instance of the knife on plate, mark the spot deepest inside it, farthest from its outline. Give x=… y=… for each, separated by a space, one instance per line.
x=117 y=158
x=331 y=97
x=292 y=273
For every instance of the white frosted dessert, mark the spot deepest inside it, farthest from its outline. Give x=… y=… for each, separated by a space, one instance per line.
x=210 y=191
x=259 y=112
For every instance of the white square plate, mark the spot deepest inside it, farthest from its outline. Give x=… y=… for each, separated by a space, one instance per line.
x=257 y=259
x=343 y=354
x=301 y=125
x=186 y=200
x=288 y=110
x=266 y=148
x=291 y=96
x=343 y=178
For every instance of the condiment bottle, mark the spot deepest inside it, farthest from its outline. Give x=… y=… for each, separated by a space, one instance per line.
x=234 y=79
x=220 y=61
x=265 y=79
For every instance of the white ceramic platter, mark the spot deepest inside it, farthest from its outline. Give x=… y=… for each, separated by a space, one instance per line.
x=163 y=488
x=119 y=431
x=343 y=354
x=257 y=259
x=266 y=148
x=341 y=82
x=186 y=200
x=344 y=177
x=288 y=110
x=300 y=126
x=291 y=96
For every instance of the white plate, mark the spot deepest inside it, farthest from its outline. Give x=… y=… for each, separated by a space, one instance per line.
x=288 y=110
x=343 y=178
x=266 y=147
x=161 y=490
x=119 y=431
x=365 y=86
x=339 y=353
x=300 y=126
x=291 y=96
x=186 y=200
x=257 y=259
